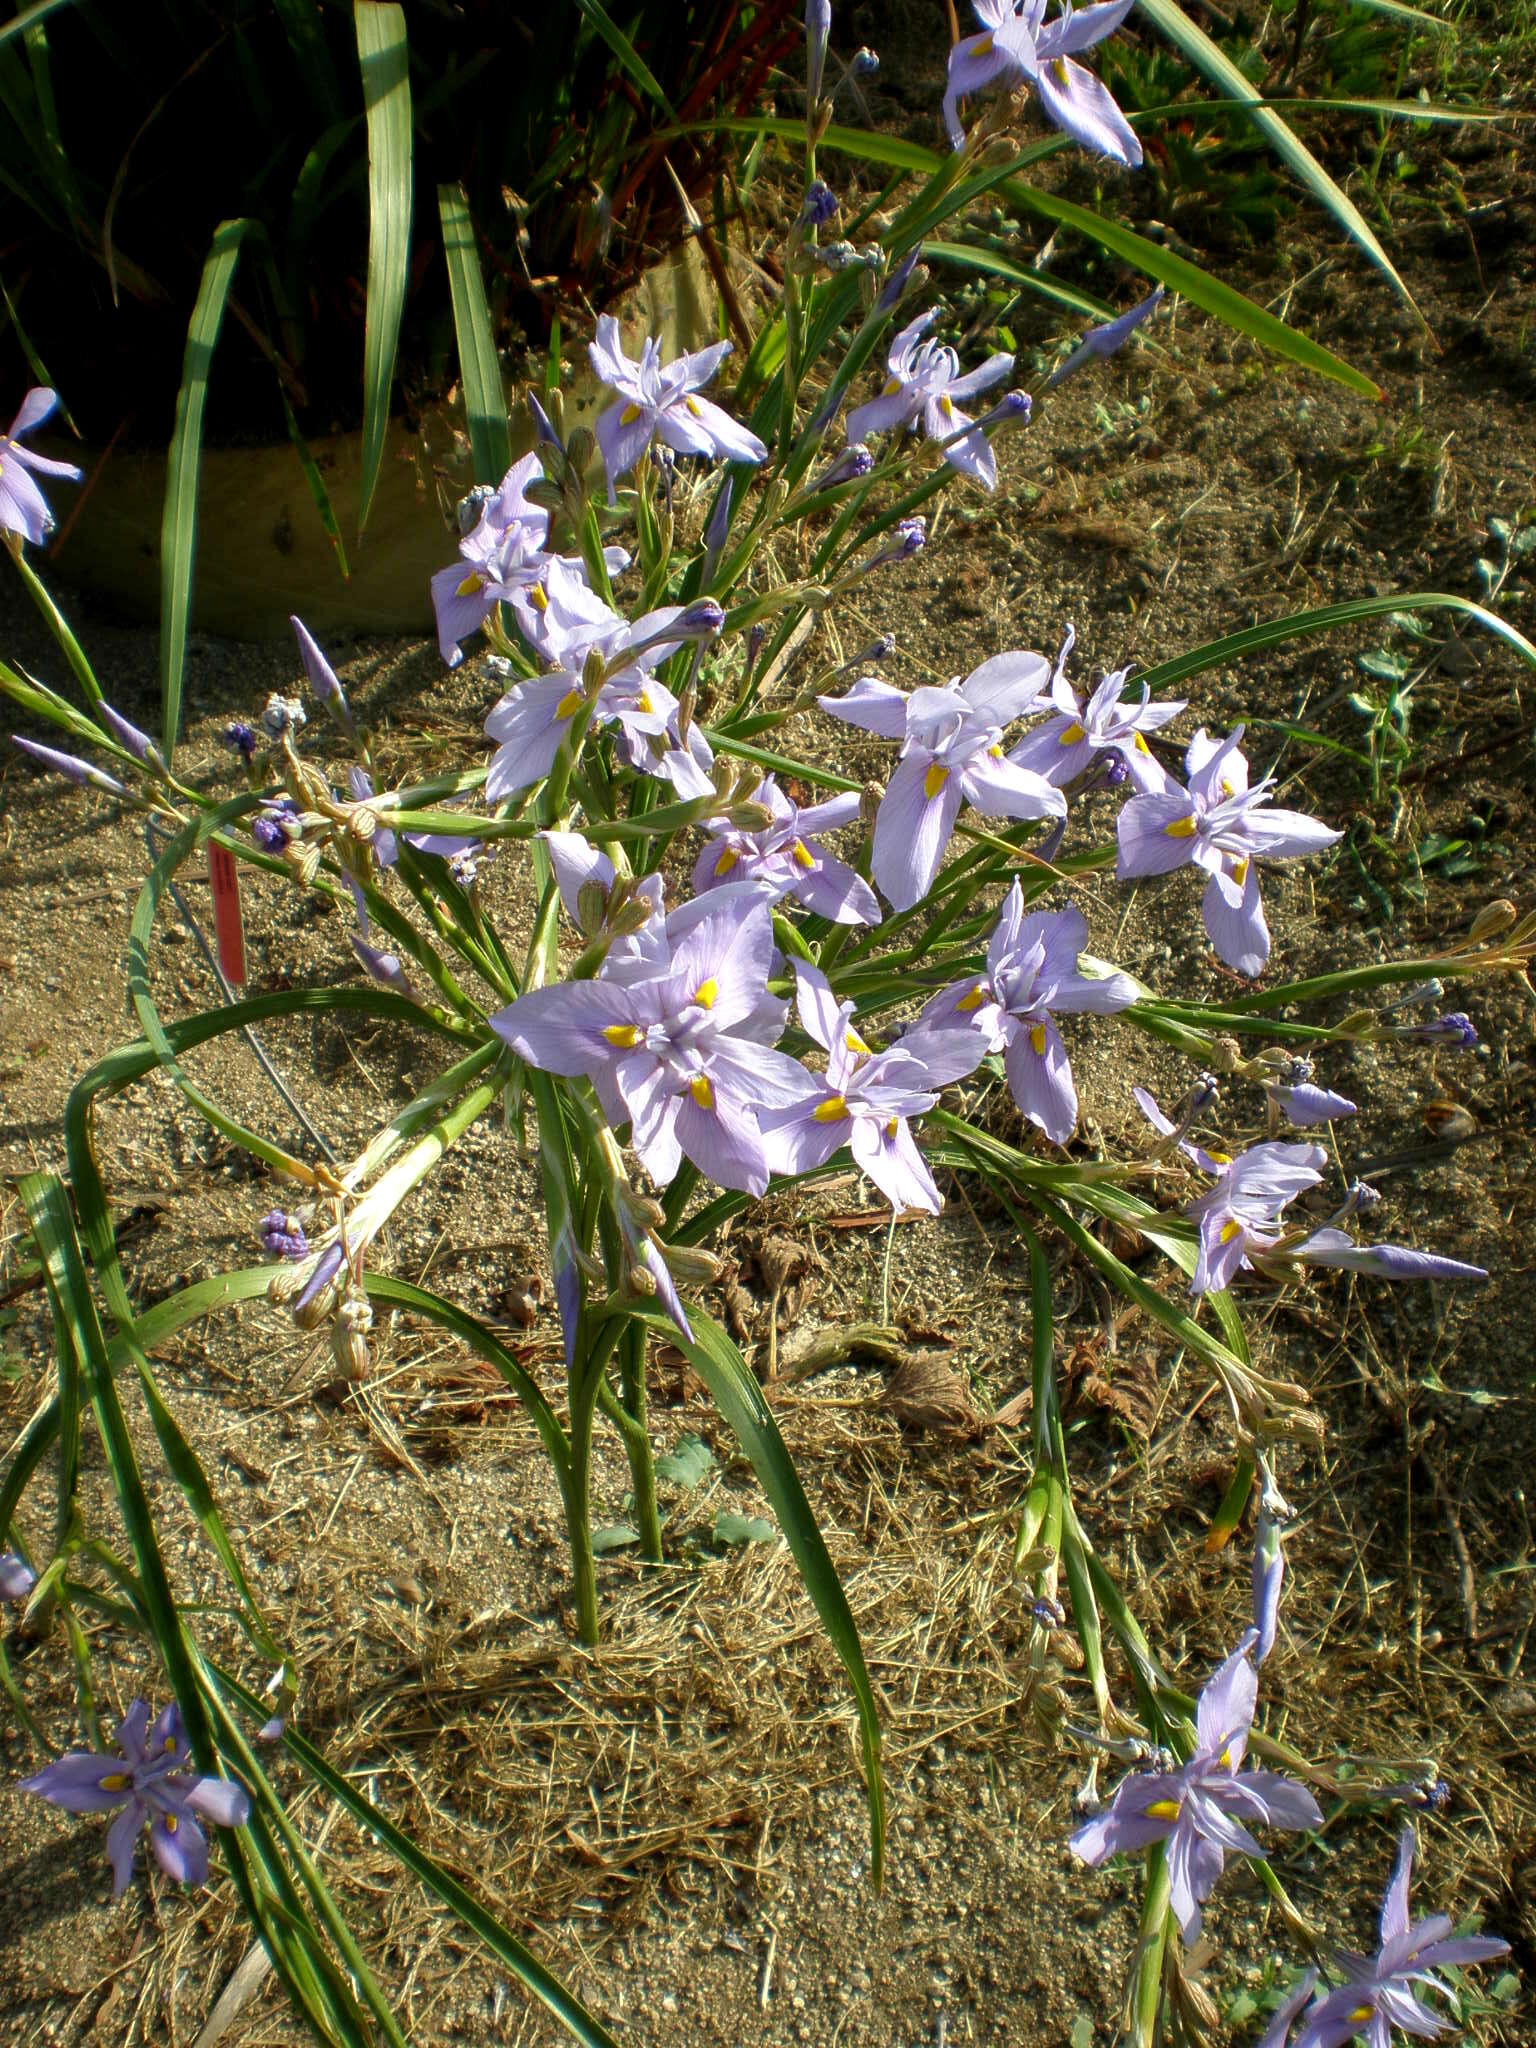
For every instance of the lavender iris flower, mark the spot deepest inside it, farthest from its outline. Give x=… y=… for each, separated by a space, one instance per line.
x=503 y=551
x=663 y=400
x=23 y=508
x=1380 y=1993
x=951 y=754
x=1226 y=829
x=17 y=1577
x=679 y=1046
x=863 y=1102
x=787 y=856
x=1241 y=1214
x=150 y=1782
x=1199 y=1809
x=1101 y=342
x=924 y=383
x=1017 y=47
x=1031 y=972
x=1083 y=728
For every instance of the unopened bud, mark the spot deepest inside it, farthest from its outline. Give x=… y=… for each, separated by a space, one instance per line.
x=349 y=1337
x=542 y=426
x=1493 y=920
x=691 y=1264
x=1356 y=1023
x=581 y=448
x=704 y=618
x=593 y=670
x=870 y=799
x=591 y=907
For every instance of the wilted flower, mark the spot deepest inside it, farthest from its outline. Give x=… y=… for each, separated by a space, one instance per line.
x=1303 y=1103
x=1268 y=1564
x=1101 y=342
x=283 y=1236
x=23 y=508
x=853 y=463
x=819 y=205
x=924 y=383
x=1199 y=1808
x=241 y=739
x=786 y=857
x=150 y=1782
x=1454 y=1028
x=1031 y=973
x=1084 y=728
x=951 y=754
x=282 y=714
x=1226 y=829
x=663 y=399
x=275 y=824
x=17 y=1577
x=1381 y=1993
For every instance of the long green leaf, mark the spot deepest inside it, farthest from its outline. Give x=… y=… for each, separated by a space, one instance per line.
x=1252 y=639
x=1210 y=59
x=629 y=57
x=961 y=256
x=178 y=524
x=29 y=18
x=485 y=398
x=736 y=1393
x=385 y=59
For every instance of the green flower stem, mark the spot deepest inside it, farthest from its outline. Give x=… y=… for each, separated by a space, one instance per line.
x=637 y=1441
x=577 y=1496
x=1349 y=979
x=1156 y=1917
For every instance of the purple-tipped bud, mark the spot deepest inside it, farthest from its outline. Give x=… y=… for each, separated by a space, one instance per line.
x=542 y=425
x=866 y=62
x=1361 y=1196
x=283 y=1236
x=70 y=765
x=17 y=1578
x=1268 y=1575
x=126 y=733
x=322 y=677
x=242 y=739
x=1455 y=1028
x=384 y=967
x=818 y=27
x=1013 y=409
x=271 y=1731
x=853 y=463
x=323 y=1277
x=756 y=635
x=1434 y=1796
x=896 y=283
x=702 y=620
x=820 y=205
x=719 y=527
x=909 y=537
x=877 y=650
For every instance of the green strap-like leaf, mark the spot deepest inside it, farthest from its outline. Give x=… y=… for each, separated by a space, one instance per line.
x=629 y=57
x=485 y=398
x=384 y=54
x=178 y=524
x=735 y=1392
x=1211 y=60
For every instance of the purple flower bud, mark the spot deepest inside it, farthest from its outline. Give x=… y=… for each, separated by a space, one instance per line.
x=241 y=739
x=853 y=463
x=275 y=824
x=125 y=732
x=1116 y=771
x=1013 y=409
x=865 y=62
x=16 y=1577
x=1434 y=1797
x=818 y=27
x=1455 y=1026
x=719 y=526
x=819 y=206
x=877 y=650
x=756 y=635
x=908 y=538
x=541 y=421
x=324 y=1275
x=282 y=1236
x=70 y=765
x=897 y=282
x=271 y=1731
x=702 y=620
x=1362 y=1196
x=1048 y=1614
x=384 y=967
x=323 y=679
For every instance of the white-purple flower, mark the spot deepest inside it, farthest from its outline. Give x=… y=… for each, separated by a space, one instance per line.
x=658 y=399
x=1242 y=1213
x=863 y=1102
x=1031 y=973
x=1381 y=1993
x=23 y=508
x=922 y=389
x=677 y=1042
x=151 y=1783
x=1017 y=46
x=1225 y=828
x=787 y=858
x=1082 y=728
x=504 y=551
x=952 y=753
x=1200 y=1808
x=1099 y=343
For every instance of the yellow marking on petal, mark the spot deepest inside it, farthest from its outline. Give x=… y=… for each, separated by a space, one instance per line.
x=1072 y=735
x=1163 y=1809
x=1037 y=1039
x=570 y=704
x=995 y=753
x=694 y=407
x=727 y=861
x=1240 y=871
x=856 y=1044
x=1181 y=828
x=892 y=388
x=701 y=1091
x=1226 y=788
x=1221 y=1158
x=171 y=1823
x=629 y=415
x=1362 y=2013
x=1140 y=744
x=801 y=854
x=538 y=597
x=946 y=405
x=643 y=703
x=472 y=582
x=974 y=998
x=115 y=1781
x=935 y=780
x=833 y=1111
x=624 y=1036
x=1225 y=1759
x=982 y=47
x=893 y=1127
x=169 y=1745
x=706 y=992
x=1063 y=75
x=1231 y=1230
